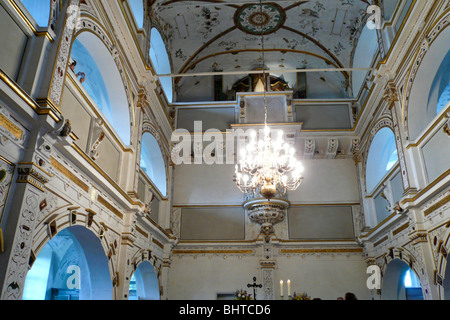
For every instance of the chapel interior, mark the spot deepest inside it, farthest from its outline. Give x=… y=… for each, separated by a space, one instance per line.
x=121 y=170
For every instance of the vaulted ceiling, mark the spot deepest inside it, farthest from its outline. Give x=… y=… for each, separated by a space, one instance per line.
x=211 y=35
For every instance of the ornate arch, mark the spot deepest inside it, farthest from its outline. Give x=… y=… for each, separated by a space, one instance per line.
x=384 y=122
x=139 y=257
x=149 y=127
x=441 y=24
x=440 y=244
x=67 y=217
x=87 y=23
x=411 y=259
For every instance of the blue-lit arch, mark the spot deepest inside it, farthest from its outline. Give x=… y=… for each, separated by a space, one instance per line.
x=161 y=62
x=382 y=157
x=440 y=89
x=103 y=82
x=72 y=265
x=152 y=162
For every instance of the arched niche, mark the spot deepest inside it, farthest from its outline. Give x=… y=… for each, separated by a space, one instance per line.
x=72 y=265
x=144 y=283
x=161 y=62
x=400 y=282
x=103 y=82
x=381 y=158
x=39 y=10
x=137 y=7
x=152 y=162
x=363 y=56
x=428 y=86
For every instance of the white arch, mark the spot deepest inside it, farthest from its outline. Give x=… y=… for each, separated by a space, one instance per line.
x=419 y=116
x=393 y=286
x=382 y=157
x=152 y=162
x=103 y=82
x=147 y=285
x=74 y=246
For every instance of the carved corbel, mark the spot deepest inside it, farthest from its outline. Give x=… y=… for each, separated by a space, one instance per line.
x=332 y=149
x=310 y=148
x=391 y=94
x=98 y=136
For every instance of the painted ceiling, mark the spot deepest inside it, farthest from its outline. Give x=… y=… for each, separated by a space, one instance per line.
x=210 y=35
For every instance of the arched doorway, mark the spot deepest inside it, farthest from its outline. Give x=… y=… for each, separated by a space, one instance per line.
x=71 y=266
x=400 y=282
x=144 y=283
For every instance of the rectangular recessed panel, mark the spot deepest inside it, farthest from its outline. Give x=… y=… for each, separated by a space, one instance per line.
x=321 y=223
x=211 y=118
x=181 y=25
x=339 y=21
x=14 y=42
x=323 y=117
x=381 y=208
x=436 y=154
x=224 y=223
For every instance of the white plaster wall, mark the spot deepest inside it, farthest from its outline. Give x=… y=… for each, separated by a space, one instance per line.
x=325 y=181
x=327 y=277
x=204 y=276
x=206 y=185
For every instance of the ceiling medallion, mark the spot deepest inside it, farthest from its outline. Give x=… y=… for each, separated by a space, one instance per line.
x=253 y=19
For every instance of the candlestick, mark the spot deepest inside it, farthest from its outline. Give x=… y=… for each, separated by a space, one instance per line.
x=281 y=288
x=289 y=288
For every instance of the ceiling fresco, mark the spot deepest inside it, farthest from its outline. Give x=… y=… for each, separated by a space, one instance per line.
x=205 y=36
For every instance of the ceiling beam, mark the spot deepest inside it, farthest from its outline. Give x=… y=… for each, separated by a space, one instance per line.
x=225 y=73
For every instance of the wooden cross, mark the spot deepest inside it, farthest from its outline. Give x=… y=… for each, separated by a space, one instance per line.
x=254 y=286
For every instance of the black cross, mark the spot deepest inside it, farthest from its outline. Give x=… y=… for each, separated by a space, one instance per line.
x=254 y=286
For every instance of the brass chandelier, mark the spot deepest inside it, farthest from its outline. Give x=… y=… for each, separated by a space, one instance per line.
x=267 y=166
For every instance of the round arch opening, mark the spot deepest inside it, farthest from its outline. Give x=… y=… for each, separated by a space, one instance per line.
x=382 y=157
x=400 y=282
x=152 y=162
x=144 y=283
x=102 y=81
x=71 y=266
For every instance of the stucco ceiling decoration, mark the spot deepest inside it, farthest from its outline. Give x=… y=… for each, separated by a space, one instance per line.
x=211 y=35
x=260 y=20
